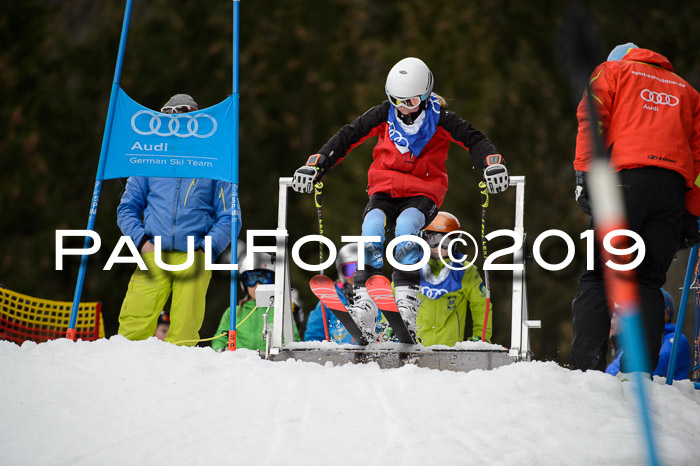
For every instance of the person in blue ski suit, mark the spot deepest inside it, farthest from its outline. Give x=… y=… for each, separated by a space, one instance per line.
x=682 y=362
x=336 y=331
x=172 y=209
x=345 y=264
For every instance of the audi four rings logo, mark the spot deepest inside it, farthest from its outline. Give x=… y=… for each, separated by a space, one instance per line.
x=659 y=98
x=432 y=293
x=172 y=124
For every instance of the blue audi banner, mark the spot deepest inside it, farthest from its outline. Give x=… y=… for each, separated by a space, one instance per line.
x=145 y=142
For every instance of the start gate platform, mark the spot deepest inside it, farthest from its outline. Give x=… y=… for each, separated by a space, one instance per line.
x=395 y=355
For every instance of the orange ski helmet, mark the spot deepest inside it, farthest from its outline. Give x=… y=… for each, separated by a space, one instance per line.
x=444 y=222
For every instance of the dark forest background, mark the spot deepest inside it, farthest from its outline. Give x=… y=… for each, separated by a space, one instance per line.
x=306 y=68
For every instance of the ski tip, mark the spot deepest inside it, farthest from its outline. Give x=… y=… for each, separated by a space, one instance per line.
x=320 y=279
x=378 y=280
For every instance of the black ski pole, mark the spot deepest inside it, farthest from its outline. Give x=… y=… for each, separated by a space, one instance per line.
x=318 y=187
x=484 y=205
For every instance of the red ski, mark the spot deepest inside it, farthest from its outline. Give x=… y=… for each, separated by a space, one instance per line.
x=324 y=289
x=379 y=288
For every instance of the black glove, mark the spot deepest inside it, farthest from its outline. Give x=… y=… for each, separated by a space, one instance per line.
x=581 y=193
x=690 y=236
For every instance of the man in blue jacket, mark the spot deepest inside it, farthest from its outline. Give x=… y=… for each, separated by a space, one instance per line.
x=172 y=209
x=683 y=360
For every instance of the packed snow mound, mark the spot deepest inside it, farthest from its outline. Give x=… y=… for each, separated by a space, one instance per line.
x=118 y=402
x=390 y=345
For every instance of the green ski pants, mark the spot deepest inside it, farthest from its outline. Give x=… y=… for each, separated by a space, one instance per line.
x=148 y=293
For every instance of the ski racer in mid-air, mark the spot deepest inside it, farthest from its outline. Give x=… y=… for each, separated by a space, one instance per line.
x=407 y=180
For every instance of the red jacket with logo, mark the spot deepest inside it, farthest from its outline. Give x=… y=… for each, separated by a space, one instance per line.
x=649 y=117
x=404 y=175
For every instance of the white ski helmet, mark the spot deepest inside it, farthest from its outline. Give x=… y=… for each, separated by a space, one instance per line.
x=408 y=78
x=263 y=266
x=261 y=261
x=346 y=255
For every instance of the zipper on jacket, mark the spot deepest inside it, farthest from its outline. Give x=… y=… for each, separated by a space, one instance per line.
x=188 y=192
x=176 y=197
x=459 y=325
x=223 y=198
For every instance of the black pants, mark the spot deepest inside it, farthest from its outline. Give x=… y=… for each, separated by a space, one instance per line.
x=392 y=208
x=654 y=201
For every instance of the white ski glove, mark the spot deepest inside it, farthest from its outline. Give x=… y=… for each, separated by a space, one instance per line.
x=304 y=178
x=496 y=174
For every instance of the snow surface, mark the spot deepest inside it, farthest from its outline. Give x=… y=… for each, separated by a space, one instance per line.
x=118 y=402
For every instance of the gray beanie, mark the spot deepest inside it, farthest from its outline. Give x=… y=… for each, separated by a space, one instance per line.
x=181 y=99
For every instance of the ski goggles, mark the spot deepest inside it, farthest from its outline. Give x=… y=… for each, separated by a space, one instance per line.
x=264 y=277
x=408 y=102
x=433 y=238
x=348 y=269
x=177 y=109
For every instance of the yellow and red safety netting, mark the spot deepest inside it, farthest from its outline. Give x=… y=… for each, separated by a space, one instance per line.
x=24 y=317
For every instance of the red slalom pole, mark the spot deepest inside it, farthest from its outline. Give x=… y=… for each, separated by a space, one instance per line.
x=325 y=322
x=231 y=345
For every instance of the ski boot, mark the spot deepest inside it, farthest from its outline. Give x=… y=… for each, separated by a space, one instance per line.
x=364 y=312
x=408 y=303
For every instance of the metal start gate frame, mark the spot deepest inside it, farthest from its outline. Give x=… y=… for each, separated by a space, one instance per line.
x=280 y=341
